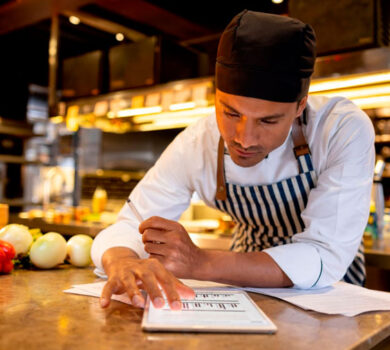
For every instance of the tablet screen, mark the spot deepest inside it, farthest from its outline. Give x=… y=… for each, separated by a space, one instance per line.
x=210 y=311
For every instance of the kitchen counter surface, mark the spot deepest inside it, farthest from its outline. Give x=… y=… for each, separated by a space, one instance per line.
x=36 y=314
x=379 y=254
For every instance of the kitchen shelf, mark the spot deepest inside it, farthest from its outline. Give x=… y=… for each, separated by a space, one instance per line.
x=382 y=138
x=13 y=128
x=18 y=160
x=18 y=202
x=73 y=228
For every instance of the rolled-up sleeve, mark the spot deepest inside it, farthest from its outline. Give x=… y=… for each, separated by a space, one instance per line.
x=337 y=209
x=164 y=191
x=124 y=233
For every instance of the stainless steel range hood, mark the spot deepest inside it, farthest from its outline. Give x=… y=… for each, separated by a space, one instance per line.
x=356 y=62
x=361 y=76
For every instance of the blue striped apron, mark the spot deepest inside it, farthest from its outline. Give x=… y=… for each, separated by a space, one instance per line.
x=269 y=215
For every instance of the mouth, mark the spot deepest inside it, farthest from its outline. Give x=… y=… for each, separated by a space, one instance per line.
x=245 y=154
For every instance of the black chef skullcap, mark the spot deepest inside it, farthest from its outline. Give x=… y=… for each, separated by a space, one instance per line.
x=266 y=56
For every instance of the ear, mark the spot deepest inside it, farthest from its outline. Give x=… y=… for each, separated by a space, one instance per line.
x=302 y=106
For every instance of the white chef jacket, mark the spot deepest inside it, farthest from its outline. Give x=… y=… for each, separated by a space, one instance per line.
x=341 y=139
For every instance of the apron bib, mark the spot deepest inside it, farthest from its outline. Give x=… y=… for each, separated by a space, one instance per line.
x=269 y=215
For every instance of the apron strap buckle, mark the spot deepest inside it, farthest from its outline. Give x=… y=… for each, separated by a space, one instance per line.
x=301 y=150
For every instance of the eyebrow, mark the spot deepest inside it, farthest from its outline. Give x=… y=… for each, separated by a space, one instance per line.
x=276 y=115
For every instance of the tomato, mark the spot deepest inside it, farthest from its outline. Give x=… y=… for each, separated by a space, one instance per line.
x=8 y=249
x=7 y=266
x=7 y=253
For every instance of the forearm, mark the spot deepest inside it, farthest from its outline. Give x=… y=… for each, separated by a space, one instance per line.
x=254 y=269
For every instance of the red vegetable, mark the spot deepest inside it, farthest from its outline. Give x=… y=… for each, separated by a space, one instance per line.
x=7 y=253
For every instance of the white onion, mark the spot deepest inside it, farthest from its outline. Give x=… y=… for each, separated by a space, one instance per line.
x=18 y=235
x=48 y=250
x=79 y=250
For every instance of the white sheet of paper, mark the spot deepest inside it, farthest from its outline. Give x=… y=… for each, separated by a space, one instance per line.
x=341 y=298
x=95 y=290
x=212 y=310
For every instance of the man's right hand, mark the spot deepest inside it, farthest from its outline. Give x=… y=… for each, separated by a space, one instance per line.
x=127 y=274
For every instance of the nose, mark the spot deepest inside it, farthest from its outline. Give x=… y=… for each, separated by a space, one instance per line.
x=245 y=134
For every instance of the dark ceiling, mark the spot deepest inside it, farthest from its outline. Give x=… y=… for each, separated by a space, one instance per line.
x=216 y=15
x=25 y=31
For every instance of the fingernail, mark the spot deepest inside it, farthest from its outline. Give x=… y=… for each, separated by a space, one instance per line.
x=158 y=302
x=137 y=301
x=176 y=305
x=103 y=302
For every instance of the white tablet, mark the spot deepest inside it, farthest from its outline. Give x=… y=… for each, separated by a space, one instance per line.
x=212 y=310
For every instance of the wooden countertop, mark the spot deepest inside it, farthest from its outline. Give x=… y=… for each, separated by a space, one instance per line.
x=36 y=314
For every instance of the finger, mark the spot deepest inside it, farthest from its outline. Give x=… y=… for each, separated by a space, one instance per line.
x=152 y=235
x=184 y=291
x=169 y=284
x=151 y=286
x=158 y=223
x=157 y=249
x=108 y=290
x=133 y=291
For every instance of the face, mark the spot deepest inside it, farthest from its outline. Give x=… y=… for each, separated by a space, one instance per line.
x=252 y=127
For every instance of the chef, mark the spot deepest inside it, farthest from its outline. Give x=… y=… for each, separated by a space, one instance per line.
x=294 y=172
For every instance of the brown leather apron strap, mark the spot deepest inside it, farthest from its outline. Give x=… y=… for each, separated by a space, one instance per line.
x=300 y=148
x=221 y=183
x=300 y=145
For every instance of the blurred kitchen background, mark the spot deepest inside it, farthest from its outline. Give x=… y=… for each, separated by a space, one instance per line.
x=92 y=91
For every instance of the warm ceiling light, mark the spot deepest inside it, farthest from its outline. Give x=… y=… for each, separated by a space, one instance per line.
x=168 y=124
x=138 y=111
x=359 y=92
x=372 y=102
x=180 y=106
x=349 y=81
x=74 y=20
x=173 y=115
x=277 y=1
x=119 y=37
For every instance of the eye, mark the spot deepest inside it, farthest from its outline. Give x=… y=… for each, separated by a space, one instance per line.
x=231 y=114
x=268 y=121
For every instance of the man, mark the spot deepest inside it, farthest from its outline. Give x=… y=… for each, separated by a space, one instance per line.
x=294 y=172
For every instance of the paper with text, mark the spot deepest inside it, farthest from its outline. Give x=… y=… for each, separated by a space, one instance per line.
x=341 y=298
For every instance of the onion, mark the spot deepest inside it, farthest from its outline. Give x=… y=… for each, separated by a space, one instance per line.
x=18 y=235
x=48 y=250
x=79 y=250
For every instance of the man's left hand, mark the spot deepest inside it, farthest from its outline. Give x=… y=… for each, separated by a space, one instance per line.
x=169 y=242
